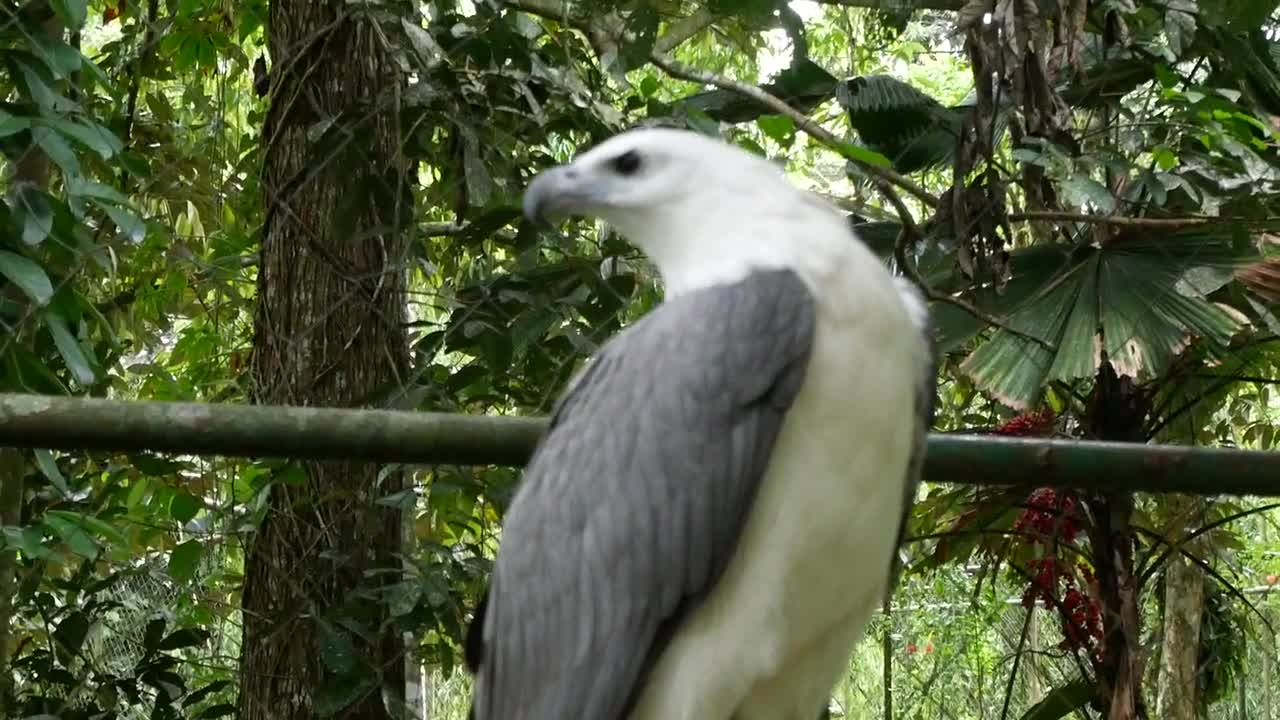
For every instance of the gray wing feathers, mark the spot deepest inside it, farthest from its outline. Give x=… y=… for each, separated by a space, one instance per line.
x=632 y=505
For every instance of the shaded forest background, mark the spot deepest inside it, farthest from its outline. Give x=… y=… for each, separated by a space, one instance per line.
x=317 y=203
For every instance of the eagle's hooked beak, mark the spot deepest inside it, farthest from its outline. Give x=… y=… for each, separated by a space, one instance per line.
x=557 y=193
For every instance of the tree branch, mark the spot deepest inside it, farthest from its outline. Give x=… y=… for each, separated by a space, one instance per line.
x=683 y=29
x=681 y=71
x=897 y=4
x=1122 y=221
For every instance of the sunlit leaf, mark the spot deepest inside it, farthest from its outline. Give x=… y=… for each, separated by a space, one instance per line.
x=27 y=275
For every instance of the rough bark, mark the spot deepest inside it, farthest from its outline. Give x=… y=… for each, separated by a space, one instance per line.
x=329 y=330
x=1117 y=411
x=1180 y=647
x=1184 y=606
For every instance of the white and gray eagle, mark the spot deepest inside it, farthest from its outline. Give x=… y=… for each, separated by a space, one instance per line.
x=715 y=510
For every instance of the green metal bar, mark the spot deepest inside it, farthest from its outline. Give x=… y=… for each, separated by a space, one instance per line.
x=85 y=424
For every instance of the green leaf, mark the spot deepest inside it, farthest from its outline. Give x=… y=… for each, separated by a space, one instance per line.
x=184 y=638
x=184 y=559
x=778 y=128
x=1133 y=289
x=197 y=695
x=154 y=633
x=340 y=692
x=130 y=224
x=104 y=529
x=61 y=59
x=649 y=86
x=73 y=12
x=899 y=122
x=47 y=465
x=93 y=136
x=72 y=352
x=11 y=124
x=36 y=214
x=863 y=155
x=72 y=631
x=27 y=275
x=336 y=650
x=68 y=526
x=183 y=506
x=46 y=97
x=642 y=27
x=57 y=149
x=1081 y=190
x=1061 y=702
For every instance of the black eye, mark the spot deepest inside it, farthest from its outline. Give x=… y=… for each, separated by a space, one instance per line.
x=627 y=163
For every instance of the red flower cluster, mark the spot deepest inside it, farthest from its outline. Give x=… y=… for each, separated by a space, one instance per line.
x=1050 y=517
x=1080 y=614
x=1053 y=519
x=1032 y=424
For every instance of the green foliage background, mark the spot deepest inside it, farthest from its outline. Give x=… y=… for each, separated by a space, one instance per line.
x=132 y=134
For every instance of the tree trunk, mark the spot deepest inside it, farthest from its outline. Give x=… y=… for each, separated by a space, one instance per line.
x=1180 y=648
x=329 y=331
x=1117 y=410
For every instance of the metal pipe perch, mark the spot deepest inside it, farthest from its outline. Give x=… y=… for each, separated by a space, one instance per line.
x=90 y=424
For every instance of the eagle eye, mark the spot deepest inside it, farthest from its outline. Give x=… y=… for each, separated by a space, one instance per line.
x=627 y=163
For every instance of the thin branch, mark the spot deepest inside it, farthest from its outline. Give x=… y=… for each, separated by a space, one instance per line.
x=681 y=71
x=897 y=4
x=910 y=231
x=683 y=29
x=1118 y=220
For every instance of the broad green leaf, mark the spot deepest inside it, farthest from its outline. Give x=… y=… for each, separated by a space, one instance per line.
x=61 y=59
x=29 y=540
x=1062 y=701
x=184 y=559
x=184 y=506
x=129 y=223
x=863 y=155
x=779 y=128
x=68 y=526
x=46 y=97
x=153 y=634
x=72 y=631
x=104 y=529
x=49 y=467
x=90 y=188
x=336 y=650
x=72 y=352
x=27 y=275
x=73 y=12
x=1133 y=289
x=93 y=136
x=184 y=638
x=36 y=214
x=57 y=149
x=11 y=124
x=1081 y=191
x=340 y=692
x=198 y=695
